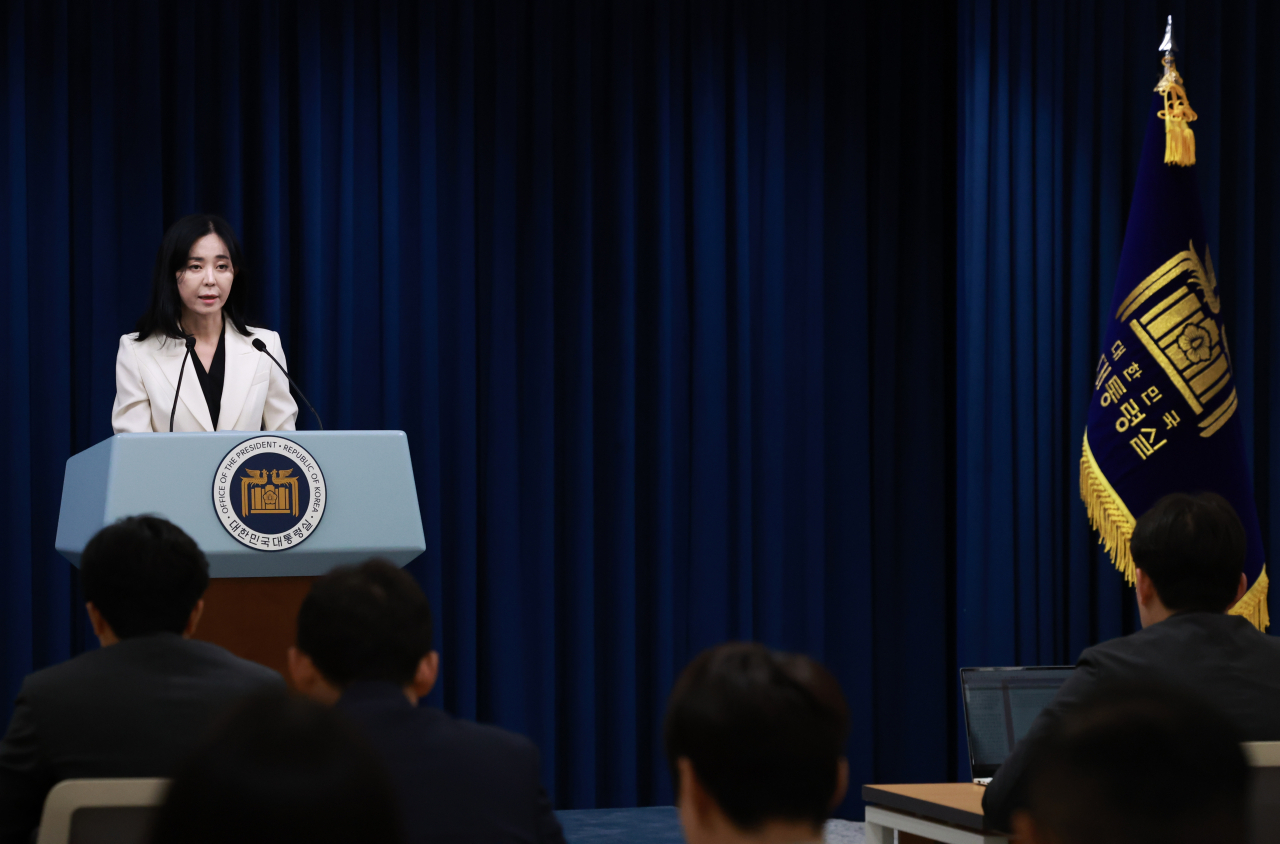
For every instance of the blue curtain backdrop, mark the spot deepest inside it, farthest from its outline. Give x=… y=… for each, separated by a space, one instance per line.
x=1054 y=99
x=660 y=291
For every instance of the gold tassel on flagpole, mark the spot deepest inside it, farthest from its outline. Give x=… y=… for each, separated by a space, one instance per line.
x=1179 y=140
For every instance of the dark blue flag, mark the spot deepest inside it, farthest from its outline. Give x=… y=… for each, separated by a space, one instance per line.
x=1165 y=415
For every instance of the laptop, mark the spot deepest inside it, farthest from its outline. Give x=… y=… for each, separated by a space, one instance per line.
x=999 y=706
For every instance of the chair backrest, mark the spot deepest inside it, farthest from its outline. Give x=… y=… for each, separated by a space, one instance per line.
x=1262 y=754
x=1264 y=758
x=115 y=811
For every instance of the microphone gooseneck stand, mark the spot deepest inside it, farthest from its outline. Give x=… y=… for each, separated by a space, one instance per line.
x=191 y=345
x=262 y=347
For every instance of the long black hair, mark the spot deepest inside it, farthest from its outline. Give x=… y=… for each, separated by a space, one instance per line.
x=164 y=313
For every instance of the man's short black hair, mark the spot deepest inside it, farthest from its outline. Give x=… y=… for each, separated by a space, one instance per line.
x=1192 y=547
x=144 y=575
x=366 y=622
x=763 y=730
x=1149 y=764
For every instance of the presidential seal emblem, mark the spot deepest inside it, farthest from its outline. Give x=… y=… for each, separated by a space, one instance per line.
x=269 y=493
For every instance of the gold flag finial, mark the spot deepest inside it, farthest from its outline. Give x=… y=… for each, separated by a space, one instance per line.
x=1179 y=140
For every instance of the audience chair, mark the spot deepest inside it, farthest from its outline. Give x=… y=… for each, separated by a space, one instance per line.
x=114 y=811
x=1262 y=754
x=1264 y=802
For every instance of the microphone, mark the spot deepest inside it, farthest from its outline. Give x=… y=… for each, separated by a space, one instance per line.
x=262 y=347
x=191 y=345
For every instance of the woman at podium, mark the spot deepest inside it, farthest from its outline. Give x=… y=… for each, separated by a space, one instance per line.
x=191 y=362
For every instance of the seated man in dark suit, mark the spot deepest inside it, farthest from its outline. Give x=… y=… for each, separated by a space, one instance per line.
x=1189 y=551
x=364 y=643
x=755 y=740
x=134 y=707
x=1137 y=764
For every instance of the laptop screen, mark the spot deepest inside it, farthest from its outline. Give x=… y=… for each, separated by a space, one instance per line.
x=999 y=706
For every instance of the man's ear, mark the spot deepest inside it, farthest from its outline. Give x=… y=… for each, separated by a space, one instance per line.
x=101 y=629
x=193 y=619
x=425 y=678
x=1241 y=589
x=1144 y=587
x=693 y=797
x=302 y=671
x=842 y=783
x=308 y=680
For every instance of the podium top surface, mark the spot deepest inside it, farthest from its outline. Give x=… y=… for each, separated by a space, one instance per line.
x=259 y=504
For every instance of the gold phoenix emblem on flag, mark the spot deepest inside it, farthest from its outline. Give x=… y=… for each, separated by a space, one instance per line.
x=273 y=491
x=1170 y=320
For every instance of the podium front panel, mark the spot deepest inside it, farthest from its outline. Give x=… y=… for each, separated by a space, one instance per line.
x=370 y=508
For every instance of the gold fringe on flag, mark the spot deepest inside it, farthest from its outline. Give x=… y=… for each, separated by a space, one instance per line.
x=1107 y=513
x=1179 y=140
x=1114 y=524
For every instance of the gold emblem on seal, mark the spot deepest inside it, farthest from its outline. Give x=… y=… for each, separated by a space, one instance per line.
x=273 y=491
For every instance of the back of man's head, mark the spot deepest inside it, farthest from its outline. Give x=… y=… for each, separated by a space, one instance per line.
x=763 y=731
x=365 y=622
x=1138 y=765
x=278 y=770
x=1193 y=548
x=144 y=575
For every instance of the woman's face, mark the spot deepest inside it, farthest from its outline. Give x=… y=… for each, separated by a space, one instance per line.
x=205 y=282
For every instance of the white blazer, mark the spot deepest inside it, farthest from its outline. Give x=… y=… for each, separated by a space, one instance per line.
x=255 y=393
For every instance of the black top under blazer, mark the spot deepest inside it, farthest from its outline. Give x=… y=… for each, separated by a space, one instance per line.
x=132 y=709
x=456 y=781
x=1220 y=657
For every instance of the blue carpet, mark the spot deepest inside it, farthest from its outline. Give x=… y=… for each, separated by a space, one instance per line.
x=658 y=825
x=652 y=825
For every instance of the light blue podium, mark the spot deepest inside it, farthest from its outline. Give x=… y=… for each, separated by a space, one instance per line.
x=271 y=510
x=371 y=507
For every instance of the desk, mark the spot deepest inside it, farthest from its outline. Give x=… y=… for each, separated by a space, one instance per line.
x=950 y=812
